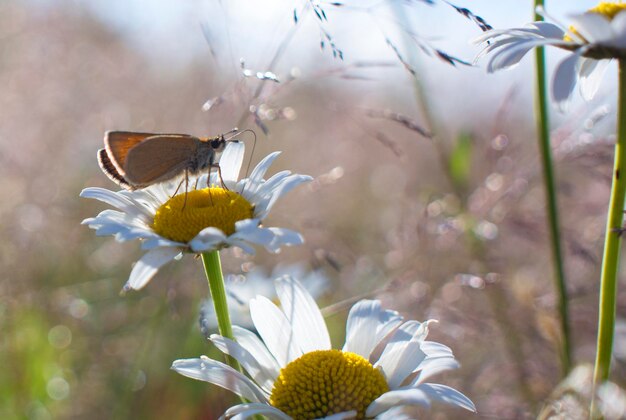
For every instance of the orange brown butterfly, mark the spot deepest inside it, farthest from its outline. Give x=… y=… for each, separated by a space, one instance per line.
x=136 y=160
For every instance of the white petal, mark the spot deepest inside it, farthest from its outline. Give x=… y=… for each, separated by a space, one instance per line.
x=395 y=413
x=434 y=349
x=447 y=395
x=208 y=238
x=241 y=244
x=113 y=222
x=250 y=231
x=146 y=197
x=303 y=314
x=564 y=78
x=148 y=265
x=618 y=26
x=158 y=241
x=283 y=237
x=431 y=367
x=547 y=29
x=590 y=74
x=494 y=45
x=220 y=374
x=251 y=342
x=410 y=330
x=399 y=360
x=247 y=361
x=259 y=171
x=118 y=201
x=231 y=160
x=391 y=399
x=247 y=410
x=275 y=330
x=286 y=186
x=594 y=27
x=511 y=55
x=367 y=324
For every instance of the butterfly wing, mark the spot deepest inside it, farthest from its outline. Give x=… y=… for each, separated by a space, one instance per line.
x=117 y=145
x=159 y=158
x=111 y=171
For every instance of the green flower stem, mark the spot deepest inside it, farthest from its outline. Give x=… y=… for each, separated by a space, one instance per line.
x=213 y=271
x=543 y=128
x=612 y=242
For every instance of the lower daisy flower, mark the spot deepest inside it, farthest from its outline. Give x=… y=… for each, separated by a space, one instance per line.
x=295 y=374
x=200 y=220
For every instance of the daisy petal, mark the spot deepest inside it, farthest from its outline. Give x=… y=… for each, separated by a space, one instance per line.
x=548 y=30
x=241 y=244
x=231 y=160
x=247 y=360
x=250 y=231
x=590 y=75
x=251 y=342
x=618 y=25
x=283 y=237
x=159 y=241
x=208 y=238
x=431 y=367
x=433 y=349
x=396 y=413
x=391 y=399
x=247 y=410
x=148 y=265
x=220 y=374
x=367 y=324
x=594 y=27
x=275 y=330
x=259 y=171
x=303 y=314
x=399 y=360
x=116 y=200
x=447 y=395
x=287 y=185
x=564 y=78
x=511 y=55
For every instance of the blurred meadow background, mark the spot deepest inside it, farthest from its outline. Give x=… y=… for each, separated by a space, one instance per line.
x=427 y=191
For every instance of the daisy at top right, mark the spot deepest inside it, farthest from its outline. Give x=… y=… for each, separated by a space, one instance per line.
x=593 y=38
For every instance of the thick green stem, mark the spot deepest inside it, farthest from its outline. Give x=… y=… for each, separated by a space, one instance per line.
x=543 y=129
x=213 y=270
x=612 y=242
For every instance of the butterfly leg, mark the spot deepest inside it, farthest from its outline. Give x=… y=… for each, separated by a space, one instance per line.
x=219 y=173
x=178 y=188
x=186 y=188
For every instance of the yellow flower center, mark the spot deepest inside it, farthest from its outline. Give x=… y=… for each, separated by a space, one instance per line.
x=183 y=216
x=324 y=382
x=604 y=8
x=608 y=9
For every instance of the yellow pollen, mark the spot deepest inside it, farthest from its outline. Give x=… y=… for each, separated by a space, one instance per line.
x=604 y=8
x=325 y=382
x=608 y=9
x=183 y=216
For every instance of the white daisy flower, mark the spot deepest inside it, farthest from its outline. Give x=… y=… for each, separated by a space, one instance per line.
x=241 y=289
x=594 y=38
x=294 y=373
x=198 y=220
